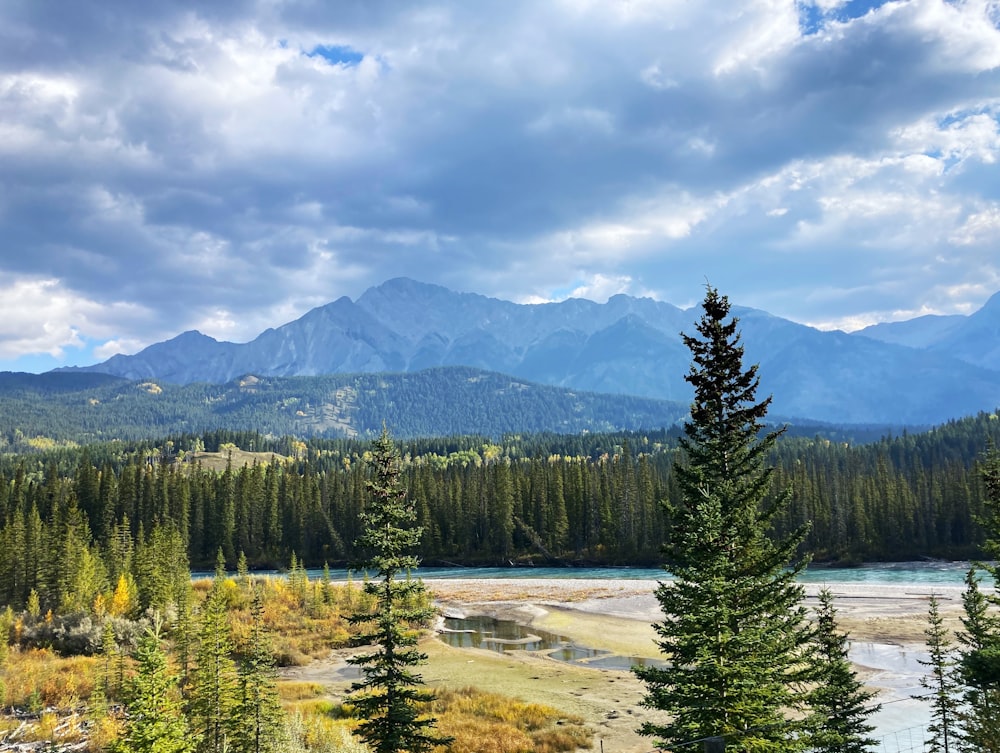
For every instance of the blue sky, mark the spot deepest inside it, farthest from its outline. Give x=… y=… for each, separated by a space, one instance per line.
x=228 y=166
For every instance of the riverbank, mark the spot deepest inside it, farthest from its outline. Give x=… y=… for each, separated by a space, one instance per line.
x=884 y=621
x=894 y=614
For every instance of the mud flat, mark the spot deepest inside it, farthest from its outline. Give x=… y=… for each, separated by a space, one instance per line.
x=886 y=625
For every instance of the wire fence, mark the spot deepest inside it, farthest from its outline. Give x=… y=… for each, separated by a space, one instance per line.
x=911 y=740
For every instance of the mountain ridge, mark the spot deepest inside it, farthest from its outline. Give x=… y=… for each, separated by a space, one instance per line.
x=444 y=401
x=627 y=346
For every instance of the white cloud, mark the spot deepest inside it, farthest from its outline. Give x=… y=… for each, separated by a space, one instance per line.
x=42 y=316
x=763 y=28
x=967 y=33
x=979 y=227
x=124 y=346
x=601 y=287
x=653 y=75
x=955 y=136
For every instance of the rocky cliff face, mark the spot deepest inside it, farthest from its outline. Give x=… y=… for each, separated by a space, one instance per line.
x=627 y=345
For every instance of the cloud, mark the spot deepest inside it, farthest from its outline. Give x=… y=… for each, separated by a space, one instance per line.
x=41 y=316
x=228 y=166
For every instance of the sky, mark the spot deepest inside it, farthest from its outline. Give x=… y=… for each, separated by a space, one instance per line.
x=228 y=166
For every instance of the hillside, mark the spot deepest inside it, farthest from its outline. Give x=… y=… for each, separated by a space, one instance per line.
x=81 y=407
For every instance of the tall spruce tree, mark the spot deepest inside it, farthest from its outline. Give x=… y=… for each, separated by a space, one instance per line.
x=388 y=696
x=156 y=723
x=734 y=632
x=979 y=652
x=213 y=680
x=979 y=670
x=260 y=721
x=840 y=705
x=942 y=682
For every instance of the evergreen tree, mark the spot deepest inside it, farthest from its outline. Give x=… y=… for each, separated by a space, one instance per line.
x=259 y=719
x=213 y=680
x=387 y=697
x=183 y=634
x=160 y=567
x=734 y=629
x=839 y=703
x=109 y=649
x=941 y=682
x=979 y=671
x=155 y=721
x=6 y=618
x=979 y=660
x=242 y=570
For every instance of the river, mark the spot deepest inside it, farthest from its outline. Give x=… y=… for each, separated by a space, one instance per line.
x=894 y=670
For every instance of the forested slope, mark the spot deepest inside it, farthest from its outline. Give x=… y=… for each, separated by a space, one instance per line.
x=549 y=498
x=37 y=410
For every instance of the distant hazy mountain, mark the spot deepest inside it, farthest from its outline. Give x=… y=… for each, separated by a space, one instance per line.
x=627 y=345
x=921 y=332
x=974 y=339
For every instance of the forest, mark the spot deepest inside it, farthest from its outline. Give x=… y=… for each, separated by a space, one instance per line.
x=73 y=517
x=38 y=410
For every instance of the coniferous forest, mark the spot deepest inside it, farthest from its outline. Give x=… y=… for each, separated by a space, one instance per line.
x=69 y=515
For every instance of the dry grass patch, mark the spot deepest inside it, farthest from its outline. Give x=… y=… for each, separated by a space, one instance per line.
x=322 y=733
x=299 y=690
x=219 y=461
x=483 y=722
x=38 y=678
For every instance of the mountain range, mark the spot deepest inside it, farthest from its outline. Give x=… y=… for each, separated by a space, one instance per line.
x=924 y=371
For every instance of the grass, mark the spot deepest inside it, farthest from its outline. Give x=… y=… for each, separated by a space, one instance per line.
x=321 y=733
x=299 y=690
x=482 y=722
x=38 y=678
x=218 y=461
x=608 y=700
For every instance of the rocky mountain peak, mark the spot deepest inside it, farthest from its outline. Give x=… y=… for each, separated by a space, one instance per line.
x=628 y=345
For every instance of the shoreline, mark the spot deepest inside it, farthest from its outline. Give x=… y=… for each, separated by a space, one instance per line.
x=895 y=614
x=885 y=625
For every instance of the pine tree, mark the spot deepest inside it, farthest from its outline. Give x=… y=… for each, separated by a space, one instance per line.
x=183 y=634
x=839 y=704
x=259 y=719
x=734 y=631
x=213 y=680
x=6 y=619
x=387 y=697
x=941 y=682
x=220 y=565
x=327 y=592
x=155 y=722
x=242 y=570
x=160 y=567
x=109 y=649
x=979 y=670
x=979 y=655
